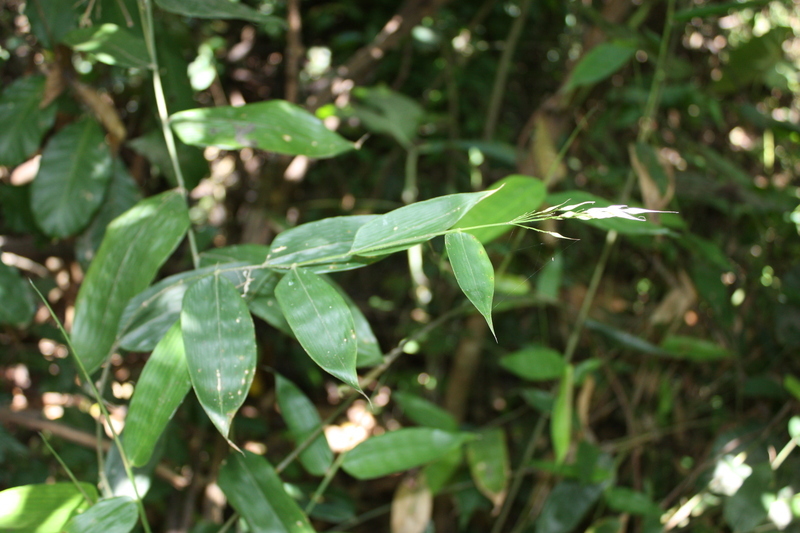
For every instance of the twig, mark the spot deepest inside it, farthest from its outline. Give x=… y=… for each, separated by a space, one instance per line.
x=294 y=48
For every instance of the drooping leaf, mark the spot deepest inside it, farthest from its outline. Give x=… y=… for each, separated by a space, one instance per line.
x=400 y=450
x=424 y=412
x=321 y=321
x=41 y=508
x=621 y=225
x=24 y=124
x=135 y=245
x=159 y=391
x=18 y=304
x=275 y=126
x=255 y=490
x=112 y=515
x=73 y=175
x=694 y=349
x=412 y=224
x=368 y=351
x=303 y=419
x=325 y=242
x=110 y=44
x=518 y=195
x=600 y=63
x=214 y=9
x=220 y=344
x=566 y=506
x=561 y=420
x=119 y=484
x=487 y=457
x=473 y=270
x=535 y=363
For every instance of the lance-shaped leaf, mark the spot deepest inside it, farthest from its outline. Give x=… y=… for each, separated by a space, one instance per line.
x=43 y=507
x=220 y=342
x=404 y=227
x=369 y=351
x=488 y=461
x=135 y=245
x=24 y=124
x=254 y=254
x=276 y=126
x=110 y=44
x=321 y=321
x=113 y=515
x=424 y=412
x=72 y=179
x=160 y=390
x=536 y=363
x=255 y=490
x=400 y=450
x=214 y=9
x=303 y=419
x=325 y=242
x=561 y=420
x=18 y=304
x=473 y=271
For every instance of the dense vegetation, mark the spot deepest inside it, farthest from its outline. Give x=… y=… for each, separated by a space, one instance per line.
x=369 y=267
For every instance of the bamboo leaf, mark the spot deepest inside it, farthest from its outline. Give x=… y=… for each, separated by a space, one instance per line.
x=24 y=124
x=220 y=343
x=255 y=490
x=535 y=363
x=368 y=350
x=599 y=63
x=303 y=419
x=424 y=412
x=72 y=179
x=404 y=227
x=134 y=247
x=112 y=515
x=561 y=422
x=473 y=270
x=110 y=44
x=321 y=321
x=276 y=126
x=400 y=450
x=40 y=508
x=159 y=391
x=215 y=9
x=487 y=457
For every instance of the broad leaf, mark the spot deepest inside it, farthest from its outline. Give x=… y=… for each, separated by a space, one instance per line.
x=621 y=225
x=561 y=419
x=51 y=19
x=535 y=363
x=254 y=254
x=18 y=304
x=321 y=321
x=24 y=124
x=399 y=450
x=42 y=508
x=257 y=493
x=136 y=244
x=473 y=270
x=424 y=412
x=73 y=175
x=110 y=44
x=404 y=227
x=325 y=243
x=275 y=126
x=220 y=344
x=114 y=515
x=518 y=195
x=368 y=350
x=303 y=419
x=566 y=506
x=599 y=63
x=214 y=9
x=159 y=391
x=487 y=457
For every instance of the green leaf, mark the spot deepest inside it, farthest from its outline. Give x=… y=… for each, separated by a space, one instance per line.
x=325 y=243
x=18 y=305
x=245 y=253
x=113 y=515
x=214 y=9
x=487 y=457
x=535 y=363
x=257 y=493
x=600 y=63
x=73 y=175
x=548 y=280
x=303 y=419
x=424 y=412
x=159 y=391
x=694 y=349
x=518 y=195
x=566 y=506
x=473 y=270
x=24 y=123
x=412 y=224
x=385 y=111
x=744 y=510
x=136 y=244
x=561 y=422
x=43 y=508
x=368 y=351
x=110 y=44
x=321 y=321
x=792 y=385
x=51 y=19
x=400 y=450
x=625 y=500
x=275 y=126
x=220 y=344
x=153 y=147
x=119 y=484
x=440 y=471
x=621 y=225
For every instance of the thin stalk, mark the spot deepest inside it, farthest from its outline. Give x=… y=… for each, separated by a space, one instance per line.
x=317 y=496
x=66 y=469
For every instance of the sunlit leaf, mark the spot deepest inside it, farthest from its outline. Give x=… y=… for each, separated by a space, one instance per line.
x=535 y=363
x=424 y=412
x=487 y=457
x=321 y=321
x=275 y=126
x=561 y=421
x=254 y=489
x=112 y=515
x=220 y=343
x=24 y=124
x=303 y=419
x=214 y=9
x=159 y=391
x=400 y=450
x=473 y=270
x=404 y=227
x=119 y=484
x=600 y=63
x=110 y=44
x=43 y=508
x=18 y=304
x=134 y=247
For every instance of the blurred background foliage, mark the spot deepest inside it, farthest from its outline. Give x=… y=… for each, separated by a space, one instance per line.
x=684 y=331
